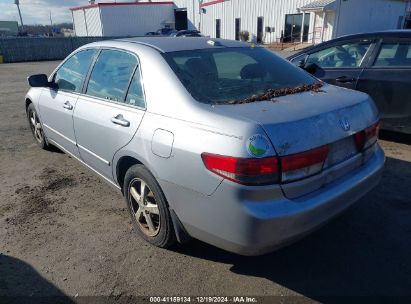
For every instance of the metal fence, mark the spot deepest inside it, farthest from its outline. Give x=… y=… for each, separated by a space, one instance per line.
x=37 y=49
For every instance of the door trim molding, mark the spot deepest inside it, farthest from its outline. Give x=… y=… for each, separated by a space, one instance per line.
x=94 y=154
x=59 y=134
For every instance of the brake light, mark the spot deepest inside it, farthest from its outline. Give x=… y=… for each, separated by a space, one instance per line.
x=246 y=171
x=302 y=165
x=366 y=138
x=266 y=171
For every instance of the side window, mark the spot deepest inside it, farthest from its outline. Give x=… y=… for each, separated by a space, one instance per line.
x=71 y=74
x=348 y=55
x=394 y=54
x=111 y=75
x=135 y=95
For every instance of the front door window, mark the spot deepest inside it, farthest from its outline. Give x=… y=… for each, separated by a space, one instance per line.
x=349 y=55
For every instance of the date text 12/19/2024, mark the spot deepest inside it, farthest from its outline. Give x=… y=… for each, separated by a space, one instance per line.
x=203 y=299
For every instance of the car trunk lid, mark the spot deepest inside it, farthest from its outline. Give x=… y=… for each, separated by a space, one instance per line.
x=302 y=122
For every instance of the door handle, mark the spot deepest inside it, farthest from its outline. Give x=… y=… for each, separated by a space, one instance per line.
x=67 y=105
x=119 y=120
x=344 y=79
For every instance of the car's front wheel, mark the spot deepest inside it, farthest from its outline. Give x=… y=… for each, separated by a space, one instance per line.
x=36 y=127
x=148 y=207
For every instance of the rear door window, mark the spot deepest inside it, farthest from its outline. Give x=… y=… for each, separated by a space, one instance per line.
x=135 y=95
x=394 y=54
x=70 y=76
x=111 y=75
x=348 y=55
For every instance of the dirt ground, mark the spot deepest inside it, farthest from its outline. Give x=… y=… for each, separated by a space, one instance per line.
x=63 y=231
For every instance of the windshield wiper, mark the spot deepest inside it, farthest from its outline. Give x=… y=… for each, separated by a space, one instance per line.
x=273 y=93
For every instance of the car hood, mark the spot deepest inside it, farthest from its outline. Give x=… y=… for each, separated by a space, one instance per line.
x=300 y=122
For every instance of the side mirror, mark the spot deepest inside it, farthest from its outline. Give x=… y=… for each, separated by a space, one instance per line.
x=301 y=63
x=311 y=68
x=38 y=81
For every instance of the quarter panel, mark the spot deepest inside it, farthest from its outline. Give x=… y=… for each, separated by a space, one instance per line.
x=185 y=167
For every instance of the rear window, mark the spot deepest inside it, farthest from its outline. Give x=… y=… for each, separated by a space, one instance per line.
x=218 y=76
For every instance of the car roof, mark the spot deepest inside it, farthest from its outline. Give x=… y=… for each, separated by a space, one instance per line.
x=367 y=35
x=388 y=33
x=175 y=44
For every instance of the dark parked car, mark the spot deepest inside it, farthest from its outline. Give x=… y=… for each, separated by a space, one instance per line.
x=162 y=32
x=375 y=63
x=187 y=33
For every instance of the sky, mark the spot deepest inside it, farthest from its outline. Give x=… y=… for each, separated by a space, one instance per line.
x=38 y=11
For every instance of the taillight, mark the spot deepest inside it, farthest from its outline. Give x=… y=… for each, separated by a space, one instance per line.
x=266 y=171
x=302 y=165
x=367 y=137
x=246 y=171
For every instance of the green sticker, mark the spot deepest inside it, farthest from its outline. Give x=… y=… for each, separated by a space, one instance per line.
x=258 y=145
x=255 y=151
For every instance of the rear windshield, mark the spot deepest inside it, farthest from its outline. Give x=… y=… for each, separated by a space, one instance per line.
x=226 y=75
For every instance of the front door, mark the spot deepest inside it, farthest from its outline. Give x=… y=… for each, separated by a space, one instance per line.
x=58 y=103
x=341 y=64
x=294 y=26
x=109 y=114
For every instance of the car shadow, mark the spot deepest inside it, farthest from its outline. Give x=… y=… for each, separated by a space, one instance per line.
x=21 y=283
x=394 y=136
x=55 y=149
x=364 y=252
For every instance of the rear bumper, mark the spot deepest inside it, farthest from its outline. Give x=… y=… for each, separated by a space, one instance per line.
x=240 y=222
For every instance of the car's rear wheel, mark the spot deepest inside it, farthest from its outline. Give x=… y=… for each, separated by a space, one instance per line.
x=36 y=127
x=148 y=207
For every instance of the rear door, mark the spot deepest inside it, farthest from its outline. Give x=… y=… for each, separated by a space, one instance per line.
x=109 y=113
x=341 y=63
x=387 y=78
x=57 y=103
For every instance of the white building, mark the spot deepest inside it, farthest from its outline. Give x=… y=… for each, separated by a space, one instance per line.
x=270 y=20
x=122 y=18
x=267 y=21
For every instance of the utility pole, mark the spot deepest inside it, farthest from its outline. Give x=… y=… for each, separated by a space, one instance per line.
x=17 y=2
x=51 y=25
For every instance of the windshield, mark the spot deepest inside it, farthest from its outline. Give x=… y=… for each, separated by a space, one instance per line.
x=234 y=75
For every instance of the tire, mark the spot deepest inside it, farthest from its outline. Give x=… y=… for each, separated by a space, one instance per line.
x=150 y=215
x=36 y=127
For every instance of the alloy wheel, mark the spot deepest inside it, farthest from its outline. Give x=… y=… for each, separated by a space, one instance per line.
x=144 y=207
x=36 y=127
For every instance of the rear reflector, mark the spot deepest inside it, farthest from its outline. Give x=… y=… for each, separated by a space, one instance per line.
x=367 y=137
x=246 y=171
x=302 y=165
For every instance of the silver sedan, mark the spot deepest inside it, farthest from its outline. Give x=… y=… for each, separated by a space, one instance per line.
x=210 y=139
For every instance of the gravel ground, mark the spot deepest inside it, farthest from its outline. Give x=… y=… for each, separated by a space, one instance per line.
x=63 y=231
